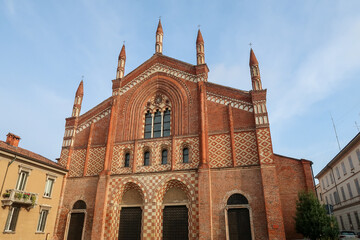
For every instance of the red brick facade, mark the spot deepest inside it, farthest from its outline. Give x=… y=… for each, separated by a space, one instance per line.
x=230 y=151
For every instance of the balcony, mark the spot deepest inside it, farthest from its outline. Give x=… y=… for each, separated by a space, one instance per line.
x=26 y=199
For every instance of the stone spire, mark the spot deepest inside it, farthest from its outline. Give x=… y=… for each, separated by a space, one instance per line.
x=78 y=100
x=159 y=39
x=200 y=54
x=121 y=63
x=254 y=71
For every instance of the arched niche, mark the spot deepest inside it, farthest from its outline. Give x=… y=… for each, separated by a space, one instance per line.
x=75 y=225
x=238 y=218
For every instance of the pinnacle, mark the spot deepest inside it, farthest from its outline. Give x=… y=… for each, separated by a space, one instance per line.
x=199 y=38
x=122 y=52
x=253 y=60
x=80 y=90
x=159 y=28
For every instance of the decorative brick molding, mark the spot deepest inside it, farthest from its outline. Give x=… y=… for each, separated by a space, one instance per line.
x=193 y=144
x=235 y=103
x=63 y=157
x=118 y=159
x=220 y=151
x=77 y=163
x=246 y=148
x=96 y=161
x=94 y=119
x=265 y=147
x=163 y=69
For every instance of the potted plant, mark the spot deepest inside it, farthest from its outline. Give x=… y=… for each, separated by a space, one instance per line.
x=6 y=195
x=33 y=199
x=26 y=196
x=18 y=195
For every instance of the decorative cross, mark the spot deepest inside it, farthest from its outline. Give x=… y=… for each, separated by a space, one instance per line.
x=199 y=26
x=124 y=42
x=82 y=77
x=250 y=44
x=159 y=17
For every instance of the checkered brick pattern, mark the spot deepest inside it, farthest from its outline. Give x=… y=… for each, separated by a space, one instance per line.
x=96 y=161
x=246 y=149
x=155 y=149
x=153 y=188
x=77 y=162
x=193 y=145
x=118 y=159
x=64 y=157
x=220 y=151
x=265 y=147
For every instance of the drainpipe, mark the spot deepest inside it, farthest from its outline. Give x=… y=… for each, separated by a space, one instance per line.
x=7 y=168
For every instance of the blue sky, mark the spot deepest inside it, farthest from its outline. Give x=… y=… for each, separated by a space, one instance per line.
x=308 y=51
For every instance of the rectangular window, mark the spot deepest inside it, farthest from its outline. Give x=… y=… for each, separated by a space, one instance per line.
x=342 y=223
x=343 y=193
x=323 y=184
x=343 y=168
x=20 y=185
x=48 y=187
x=326 y=199
x=337 y=172
x=331 y=199
x=349 y=189
x=336 y=197
x=332 y=178
x=350 y=222
x=358 y=154
x=351 y=163
x=42 y=220
x=12 y=219
x=356 y=181
x=357 y=219
x=327 y=180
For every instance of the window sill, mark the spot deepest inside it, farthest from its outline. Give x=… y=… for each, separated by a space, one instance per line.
x=9 y=232
x=39 y=232
x=46 y=197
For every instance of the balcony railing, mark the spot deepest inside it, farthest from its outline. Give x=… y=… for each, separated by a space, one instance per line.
x=27 y=199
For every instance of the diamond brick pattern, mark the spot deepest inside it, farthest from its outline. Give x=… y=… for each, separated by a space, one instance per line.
x=155 y=149
x=153 y=189
x=77 y=162
x=246 y=149
x=193 y=145
x=96 y=161
x=265 y=147
x=220 y=151
x=118 y=159
x=64 y=157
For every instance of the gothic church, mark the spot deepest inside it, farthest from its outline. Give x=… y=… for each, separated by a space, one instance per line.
x=172 y=156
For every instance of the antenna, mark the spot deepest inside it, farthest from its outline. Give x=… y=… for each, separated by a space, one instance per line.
x=335 y=132
x=357 y=126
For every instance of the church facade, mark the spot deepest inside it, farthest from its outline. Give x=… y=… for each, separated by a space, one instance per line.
x=172 y=156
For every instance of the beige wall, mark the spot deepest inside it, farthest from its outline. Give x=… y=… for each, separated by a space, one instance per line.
x=28 y=219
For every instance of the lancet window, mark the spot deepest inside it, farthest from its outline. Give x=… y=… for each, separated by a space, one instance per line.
x=157 y=117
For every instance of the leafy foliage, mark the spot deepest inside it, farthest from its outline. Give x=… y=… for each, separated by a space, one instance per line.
x=311 y=219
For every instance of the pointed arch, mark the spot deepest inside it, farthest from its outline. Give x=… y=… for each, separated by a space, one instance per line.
x=173 y=88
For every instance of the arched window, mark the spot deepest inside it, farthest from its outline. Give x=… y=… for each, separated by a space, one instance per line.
x=237 y=213
x=166 y=123
x=127 y=160
x=157 y=124
x=148 y=125
x=146 y=158
x=185 y=155
x=164 y=156
x=80 y=204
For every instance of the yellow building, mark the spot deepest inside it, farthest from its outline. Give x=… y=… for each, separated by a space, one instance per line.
x=30 y=192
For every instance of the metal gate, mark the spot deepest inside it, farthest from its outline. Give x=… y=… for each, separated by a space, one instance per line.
x=239 y=224
x=76 y=226
x=175 y=223
x=130 y=223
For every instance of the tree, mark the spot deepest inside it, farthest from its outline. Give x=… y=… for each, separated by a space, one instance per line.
x=311 y=219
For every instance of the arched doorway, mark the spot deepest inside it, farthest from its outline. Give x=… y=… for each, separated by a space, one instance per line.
x=175 y=215
x=237 y=218
x=131 y=213
x=77 y=220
